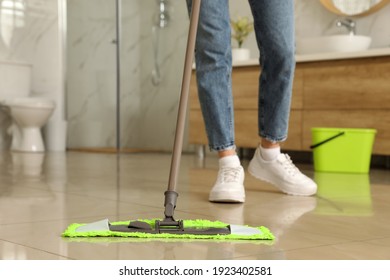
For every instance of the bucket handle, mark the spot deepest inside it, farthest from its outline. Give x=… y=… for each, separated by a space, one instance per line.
x=327 y=140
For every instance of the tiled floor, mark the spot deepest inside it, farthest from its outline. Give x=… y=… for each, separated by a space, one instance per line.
x=40 y=195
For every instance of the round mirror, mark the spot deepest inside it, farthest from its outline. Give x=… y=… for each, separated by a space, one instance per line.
x=353 y=7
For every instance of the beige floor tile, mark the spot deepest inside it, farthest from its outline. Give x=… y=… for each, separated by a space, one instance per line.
x=377 y=249
x=11 y=251
x=40 y=206
x=41 y=195
x=344 y=251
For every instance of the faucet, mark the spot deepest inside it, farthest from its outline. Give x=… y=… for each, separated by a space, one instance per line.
x=349 y=24
x=162 y=18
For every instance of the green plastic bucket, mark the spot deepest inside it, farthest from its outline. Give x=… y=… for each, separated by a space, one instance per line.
x=346 y=150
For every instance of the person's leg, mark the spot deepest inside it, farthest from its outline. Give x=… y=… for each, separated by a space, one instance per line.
x=213 y=71
x=274 y=29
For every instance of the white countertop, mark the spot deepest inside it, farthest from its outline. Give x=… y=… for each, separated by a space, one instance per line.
x=324 y=56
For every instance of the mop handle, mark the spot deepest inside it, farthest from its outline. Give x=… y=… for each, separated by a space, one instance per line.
x=185 y=88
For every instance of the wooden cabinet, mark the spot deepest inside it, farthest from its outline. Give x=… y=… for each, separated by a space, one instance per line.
x=352 y=93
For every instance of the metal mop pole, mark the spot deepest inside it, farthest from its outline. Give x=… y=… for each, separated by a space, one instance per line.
x=171 y=194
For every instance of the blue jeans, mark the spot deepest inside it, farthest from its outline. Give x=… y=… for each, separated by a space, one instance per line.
x=274 y=30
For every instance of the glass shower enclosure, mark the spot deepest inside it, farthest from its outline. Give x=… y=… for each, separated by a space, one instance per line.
x=124 y=68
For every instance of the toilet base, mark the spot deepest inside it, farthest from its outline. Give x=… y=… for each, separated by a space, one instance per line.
x=31 y=141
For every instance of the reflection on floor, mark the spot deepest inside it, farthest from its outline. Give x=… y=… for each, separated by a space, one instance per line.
x=41 y=194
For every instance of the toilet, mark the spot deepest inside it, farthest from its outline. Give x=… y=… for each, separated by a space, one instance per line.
x=28 y=114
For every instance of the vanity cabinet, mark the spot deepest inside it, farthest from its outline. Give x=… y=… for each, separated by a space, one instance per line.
x=351 y=93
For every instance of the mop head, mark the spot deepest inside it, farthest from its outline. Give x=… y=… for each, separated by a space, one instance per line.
x=238 y=232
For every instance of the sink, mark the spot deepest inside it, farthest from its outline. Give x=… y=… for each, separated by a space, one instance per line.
x=334 y=43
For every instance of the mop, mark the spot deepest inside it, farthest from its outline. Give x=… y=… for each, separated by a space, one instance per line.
x=168 y=227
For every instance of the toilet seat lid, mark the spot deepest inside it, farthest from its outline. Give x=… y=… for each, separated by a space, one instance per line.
x=35 y=102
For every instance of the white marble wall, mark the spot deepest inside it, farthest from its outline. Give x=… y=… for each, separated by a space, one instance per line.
x=34 y=37
x=148 y=112
x=312 y=19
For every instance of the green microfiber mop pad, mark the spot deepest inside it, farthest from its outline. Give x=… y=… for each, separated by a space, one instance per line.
x=265 y=233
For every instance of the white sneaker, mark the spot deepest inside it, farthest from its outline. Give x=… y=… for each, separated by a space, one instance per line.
x=282 y=173
x=229 y=186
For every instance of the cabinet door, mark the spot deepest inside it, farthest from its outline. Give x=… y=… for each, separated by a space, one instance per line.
x=347 y=84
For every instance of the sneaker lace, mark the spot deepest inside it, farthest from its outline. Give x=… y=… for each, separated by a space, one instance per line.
x=289 y=166
x=230 y=174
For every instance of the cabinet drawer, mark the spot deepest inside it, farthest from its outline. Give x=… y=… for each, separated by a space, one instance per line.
x=193 y=98
x=347 y=84
x=197 y=133
x=245 y=82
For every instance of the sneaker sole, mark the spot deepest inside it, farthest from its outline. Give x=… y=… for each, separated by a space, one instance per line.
x=253 y=165
x=228 y=197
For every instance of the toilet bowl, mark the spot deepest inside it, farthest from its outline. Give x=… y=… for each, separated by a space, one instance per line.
x=28 y=115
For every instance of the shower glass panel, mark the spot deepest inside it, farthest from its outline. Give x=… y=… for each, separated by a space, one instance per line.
x=143 y=41
x=153 y=40
x=91 y=74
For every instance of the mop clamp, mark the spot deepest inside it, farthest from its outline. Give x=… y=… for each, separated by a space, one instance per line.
x=168 y=225
x=170 y=204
